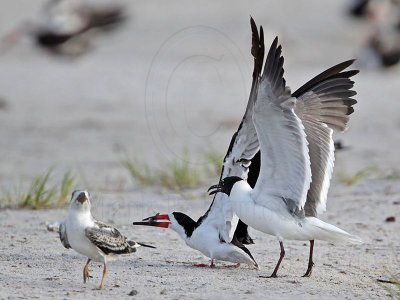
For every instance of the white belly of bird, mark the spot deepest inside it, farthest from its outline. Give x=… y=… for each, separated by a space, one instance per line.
x=274 y=218
x=206 y=240
x=267 y=221
x=78 y=240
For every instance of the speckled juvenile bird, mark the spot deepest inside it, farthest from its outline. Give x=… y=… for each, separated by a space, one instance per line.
x=96 y=240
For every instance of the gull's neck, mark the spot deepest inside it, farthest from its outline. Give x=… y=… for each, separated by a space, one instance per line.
x=241 y=192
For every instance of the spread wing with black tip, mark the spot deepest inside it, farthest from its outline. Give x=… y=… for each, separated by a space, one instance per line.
x=285 y=163
x=324 y=104
x=238 y=160
x=108 y=239
x=63 y=235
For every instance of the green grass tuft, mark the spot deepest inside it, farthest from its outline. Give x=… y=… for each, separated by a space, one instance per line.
x=176 y=175
x=40 y=194
x=214 y=160
x=141 y=172
x=351 y=179
x=66 y=188
x=180 y=174
x=371 y=172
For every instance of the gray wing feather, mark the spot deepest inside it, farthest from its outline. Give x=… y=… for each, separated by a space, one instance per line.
x=285 y=163
x=108 y=239
x=324 y=104
x=63 y=235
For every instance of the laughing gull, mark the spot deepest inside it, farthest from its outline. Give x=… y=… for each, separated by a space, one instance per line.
x=94 y=239
x=219 y=234
x=297 y=154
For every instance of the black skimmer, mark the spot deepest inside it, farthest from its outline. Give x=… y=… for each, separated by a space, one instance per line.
x=297 y=154
x=204 y=236
x=219 y=234
x=94 y=239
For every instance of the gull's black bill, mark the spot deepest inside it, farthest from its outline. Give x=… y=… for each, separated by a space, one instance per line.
x=215 y=189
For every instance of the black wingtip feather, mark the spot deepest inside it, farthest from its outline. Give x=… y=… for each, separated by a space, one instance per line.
x=275 y=66
x=255 y=36
x=257 y=48
x=252 y=23
x=345 y=74
x=269 y=62
x=278 y=75
x=262 y=46
x=350 y=110
x=351 y=101
x=333 y=72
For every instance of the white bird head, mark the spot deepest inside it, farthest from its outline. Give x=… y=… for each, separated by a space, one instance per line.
x=225 y=185
x=80 y=200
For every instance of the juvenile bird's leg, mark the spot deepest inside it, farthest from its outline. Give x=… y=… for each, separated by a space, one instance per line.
x=103 y=279
x=310 y=261
x=273 y=275
x=86 y=271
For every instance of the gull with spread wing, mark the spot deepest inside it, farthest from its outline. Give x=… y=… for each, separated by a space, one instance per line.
x=294 y=132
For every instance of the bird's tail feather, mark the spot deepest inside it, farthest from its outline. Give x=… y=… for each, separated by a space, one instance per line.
x=145 y=245
x=134 y=244
x=330 y=233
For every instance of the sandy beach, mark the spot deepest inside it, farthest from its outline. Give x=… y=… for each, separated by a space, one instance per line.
x=175 y=79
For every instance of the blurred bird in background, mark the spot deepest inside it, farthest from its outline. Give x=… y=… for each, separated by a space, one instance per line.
x=66 y=27
x=382 y=46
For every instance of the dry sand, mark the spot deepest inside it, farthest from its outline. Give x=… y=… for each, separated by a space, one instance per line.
x=176 y=77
